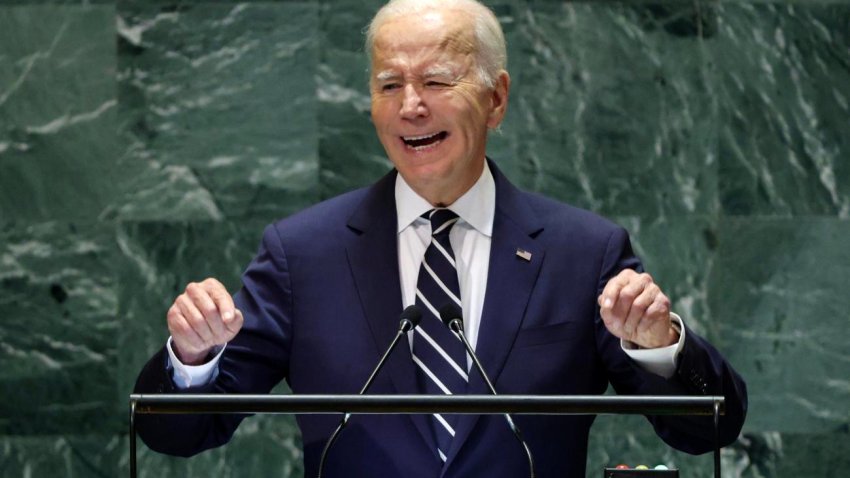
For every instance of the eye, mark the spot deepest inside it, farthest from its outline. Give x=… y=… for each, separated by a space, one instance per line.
x=390 y=86
x=437 y=84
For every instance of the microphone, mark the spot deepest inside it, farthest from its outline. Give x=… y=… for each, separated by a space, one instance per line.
x=451 y=316
x=408 y=320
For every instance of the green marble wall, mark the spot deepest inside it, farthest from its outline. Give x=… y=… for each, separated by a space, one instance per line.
x=144 y=144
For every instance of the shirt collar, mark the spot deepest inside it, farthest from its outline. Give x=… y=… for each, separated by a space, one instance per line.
x=477 y=207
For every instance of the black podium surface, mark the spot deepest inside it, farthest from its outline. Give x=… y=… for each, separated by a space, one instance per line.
x=404 y=404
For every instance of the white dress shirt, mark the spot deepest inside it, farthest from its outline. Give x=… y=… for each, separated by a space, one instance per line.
x=470 y=238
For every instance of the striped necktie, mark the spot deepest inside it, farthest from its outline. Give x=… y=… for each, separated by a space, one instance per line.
x=439 y=355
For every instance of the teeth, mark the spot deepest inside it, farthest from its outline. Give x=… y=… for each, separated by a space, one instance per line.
x=417 y=138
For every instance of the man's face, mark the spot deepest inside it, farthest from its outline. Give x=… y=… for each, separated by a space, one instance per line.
x=430 y=109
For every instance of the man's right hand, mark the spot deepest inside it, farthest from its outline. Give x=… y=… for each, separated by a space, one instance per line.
x=201 y=318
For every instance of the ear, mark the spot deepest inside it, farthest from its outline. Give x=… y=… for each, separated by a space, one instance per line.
x=499 y=100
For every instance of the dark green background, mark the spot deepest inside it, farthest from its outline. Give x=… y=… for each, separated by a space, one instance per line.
x=144 y=144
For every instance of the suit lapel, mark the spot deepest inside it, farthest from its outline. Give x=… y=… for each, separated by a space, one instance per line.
x=510 y=281
x=373 y=259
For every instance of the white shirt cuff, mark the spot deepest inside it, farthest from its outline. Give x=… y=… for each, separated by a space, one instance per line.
x=185 y=376
x=660 y=361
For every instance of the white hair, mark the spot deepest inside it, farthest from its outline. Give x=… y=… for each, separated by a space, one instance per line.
x=491 y=55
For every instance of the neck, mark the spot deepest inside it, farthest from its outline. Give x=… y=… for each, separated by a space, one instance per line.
x=441 y=195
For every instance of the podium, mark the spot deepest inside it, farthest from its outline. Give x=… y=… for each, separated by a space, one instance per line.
x=407 y=404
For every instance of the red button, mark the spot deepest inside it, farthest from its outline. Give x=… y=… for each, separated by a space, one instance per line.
x=621 y=467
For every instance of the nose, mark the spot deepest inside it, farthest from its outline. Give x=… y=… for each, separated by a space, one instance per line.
x=412 y=105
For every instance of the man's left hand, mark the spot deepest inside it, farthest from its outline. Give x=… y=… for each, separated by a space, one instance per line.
x=633 y=308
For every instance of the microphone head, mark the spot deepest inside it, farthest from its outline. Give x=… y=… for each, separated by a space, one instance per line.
x=410 y=318
x=451 y=313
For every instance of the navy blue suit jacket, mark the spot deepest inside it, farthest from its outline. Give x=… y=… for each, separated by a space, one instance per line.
x=321 y=302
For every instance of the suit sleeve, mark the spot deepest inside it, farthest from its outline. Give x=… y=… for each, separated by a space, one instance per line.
x=253 y=362
x=700 y=370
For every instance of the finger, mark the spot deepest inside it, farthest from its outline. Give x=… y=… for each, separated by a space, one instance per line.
x=630 y=292
x=660 y=307
x=201 y=299
x=612 y=288
x=195 y=318
x=621 y=308
x=236 y=325
x=636 y=313
x=213 y=286
x=184 y=337
x=655 y=328
x=656 y=318
x=225 y=307
x=606 y=311
x=608 y=301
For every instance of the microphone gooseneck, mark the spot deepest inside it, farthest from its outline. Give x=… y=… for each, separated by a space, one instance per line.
x=408 y=320
x=451 y=316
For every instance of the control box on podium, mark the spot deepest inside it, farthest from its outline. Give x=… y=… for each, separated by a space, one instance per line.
x=639 y=473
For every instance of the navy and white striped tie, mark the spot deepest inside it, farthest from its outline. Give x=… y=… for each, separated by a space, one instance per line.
x=439 y=355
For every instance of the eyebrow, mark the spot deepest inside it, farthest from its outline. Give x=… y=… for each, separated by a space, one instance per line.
x=440 y=70
x=386 y=75
x=431 y=72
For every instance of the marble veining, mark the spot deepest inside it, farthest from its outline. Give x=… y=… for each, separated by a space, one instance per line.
x=144 y=145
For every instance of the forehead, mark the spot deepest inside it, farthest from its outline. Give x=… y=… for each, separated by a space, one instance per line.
x=413 y=39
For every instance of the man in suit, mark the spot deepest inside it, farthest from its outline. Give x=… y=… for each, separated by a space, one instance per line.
x=554 y=300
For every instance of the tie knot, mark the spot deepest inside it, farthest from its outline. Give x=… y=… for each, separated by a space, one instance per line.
x=442 y=220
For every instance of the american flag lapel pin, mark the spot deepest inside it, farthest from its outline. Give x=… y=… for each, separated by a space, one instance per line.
x=523 y=254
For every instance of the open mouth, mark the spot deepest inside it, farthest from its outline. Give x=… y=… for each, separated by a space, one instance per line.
x=424 y=141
